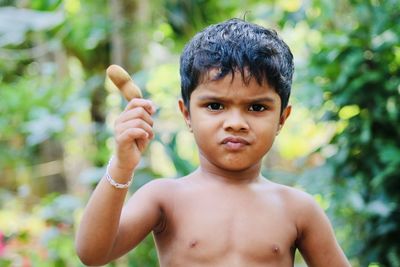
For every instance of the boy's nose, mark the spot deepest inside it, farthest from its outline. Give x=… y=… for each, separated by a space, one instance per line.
x=235 y=121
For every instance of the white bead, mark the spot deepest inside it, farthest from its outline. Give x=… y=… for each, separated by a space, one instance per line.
x=113 y=182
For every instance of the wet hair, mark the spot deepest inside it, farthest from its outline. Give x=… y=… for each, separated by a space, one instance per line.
x=237 y=45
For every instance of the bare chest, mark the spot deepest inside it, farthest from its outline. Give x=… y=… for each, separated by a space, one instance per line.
x=215 y=228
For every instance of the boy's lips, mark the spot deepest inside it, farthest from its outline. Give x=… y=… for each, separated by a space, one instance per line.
x=234 y=143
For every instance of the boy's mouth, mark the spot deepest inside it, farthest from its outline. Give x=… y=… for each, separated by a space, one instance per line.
x=234 y=143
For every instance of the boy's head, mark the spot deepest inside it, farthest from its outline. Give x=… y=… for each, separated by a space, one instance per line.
x=237 y=45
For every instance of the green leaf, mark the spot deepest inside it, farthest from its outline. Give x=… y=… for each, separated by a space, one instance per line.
x=17 y=22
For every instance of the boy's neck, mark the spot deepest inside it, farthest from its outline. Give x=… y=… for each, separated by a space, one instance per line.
x=207 y=170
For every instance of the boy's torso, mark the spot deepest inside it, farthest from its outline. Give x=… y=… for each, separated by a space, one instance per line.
x=209 y=224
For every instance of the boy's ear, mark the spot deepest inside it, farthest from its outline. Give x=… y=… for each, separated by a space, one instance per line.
x=285 y=114
x=185 y=112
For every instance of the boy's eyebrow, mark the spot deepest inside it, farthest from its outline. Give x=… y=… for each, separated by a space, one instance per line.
x=247 y=100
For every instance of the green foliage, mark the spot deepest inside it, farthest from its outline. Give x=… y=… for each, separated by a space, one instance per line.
x=26 y=21
x=357 y=66
x=143 y=255
x=42 y=236
x=53 y=97
x=37 y=110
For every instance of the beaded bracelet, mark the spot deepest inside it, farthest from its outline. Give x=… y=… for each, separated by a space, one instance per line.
x=113 y=182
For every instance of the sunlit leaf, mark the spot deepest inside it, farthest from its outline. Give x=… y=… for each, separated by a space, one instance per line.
x=17 y=22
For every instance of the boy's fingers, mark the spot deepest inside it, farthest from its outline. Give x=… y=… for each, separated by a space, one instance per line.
x=142 y=143
x=132 y=134
x=133 y=124
x=136 y=113
x=148 y=105
x=135 y=135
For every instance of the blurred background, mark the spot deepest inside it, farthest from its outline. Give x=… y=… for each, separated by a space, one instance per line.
x=341 y=143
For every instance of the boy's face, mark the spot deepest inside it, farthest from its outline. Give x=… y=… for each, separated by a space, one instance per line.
x=234 y=124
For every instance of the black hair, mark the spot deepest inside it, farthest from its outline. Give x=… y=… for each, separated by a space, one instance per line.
x=237 y=45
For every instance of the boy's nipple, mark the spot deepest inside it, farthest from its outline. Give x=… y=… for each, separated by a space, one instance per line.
x=192 y=243
x=275 y=249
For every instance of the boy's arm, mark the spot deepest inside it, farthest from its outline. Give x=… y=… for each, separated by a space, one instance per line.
x=107 y=230
x=317 y=242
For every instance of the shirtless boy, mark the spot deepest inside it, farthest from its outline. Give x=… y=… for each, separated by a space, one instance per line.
x=235 y=81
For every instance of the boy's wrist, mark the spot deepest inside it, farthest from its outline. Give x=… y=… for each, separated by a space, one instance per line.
x=119 y=177
x=124 y=168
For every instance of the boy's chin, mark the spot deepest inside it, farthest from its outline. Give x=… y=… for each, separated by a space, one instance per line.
x=230 y=163
x=237 y=167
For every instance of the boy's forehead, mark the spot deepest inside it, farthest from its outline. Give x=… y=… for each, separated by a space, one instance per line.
x=229 y=84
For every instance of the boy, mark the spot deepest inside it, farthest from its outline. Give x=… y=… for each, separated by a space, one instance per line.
x=235 y=81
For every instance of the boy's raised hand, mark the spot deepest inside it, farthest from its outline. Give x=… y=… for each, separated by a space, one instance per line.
x=133 y=127
x=133 y=132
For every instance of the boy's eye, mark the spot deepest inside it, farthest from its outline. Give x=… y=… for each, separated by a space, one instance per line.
x=257 y=108
x=215 y=106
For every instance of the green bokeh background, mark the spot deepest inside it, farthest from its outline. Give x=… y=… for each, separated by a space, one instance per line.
x=341 y=143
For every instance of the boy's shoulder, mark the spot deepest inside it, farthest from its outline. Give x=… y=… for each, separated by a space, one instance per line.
x=170 y=184
x=302 y=207
x=161 y=187
x=297 y=200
